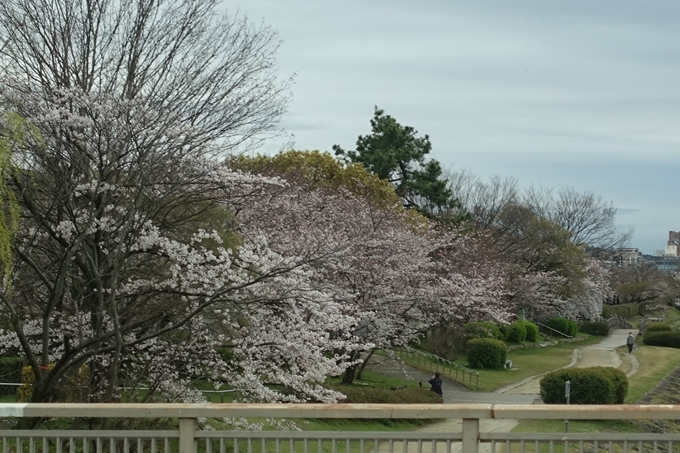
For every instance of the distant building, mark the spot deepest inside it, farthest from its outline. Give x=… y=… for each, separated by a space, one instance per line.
x=664 y=263
x=673 y=243
x=627 y=257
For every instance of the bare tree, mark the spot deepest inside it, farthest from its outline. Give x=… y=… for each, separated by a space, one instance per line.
x=483 y=201
x=589 y=219
x=215 y=73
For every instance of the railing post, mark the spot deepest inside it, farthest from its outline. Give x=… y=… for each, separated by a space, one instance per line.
x=187 y=428
x=470 y=435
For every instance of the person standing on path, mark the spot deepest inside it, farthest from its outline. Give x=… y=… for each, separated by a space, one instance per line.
x=630 y=341
x=436 y=384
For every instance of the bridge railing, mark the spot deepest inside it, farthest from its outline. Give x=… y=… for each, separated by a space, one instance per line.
x=469 y=436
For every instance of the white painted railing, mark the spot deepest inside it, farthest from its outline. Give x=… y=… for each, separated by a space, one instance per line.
x=468 y=438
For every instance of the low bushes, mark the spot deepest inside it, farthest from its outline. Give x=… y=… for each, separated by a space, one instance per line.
x=595 y=385
x=662 y=338
x=564 y=325
x=516 y=332
x=594 y=328
x=658 y=327
x=486 y=353
x=532 y=331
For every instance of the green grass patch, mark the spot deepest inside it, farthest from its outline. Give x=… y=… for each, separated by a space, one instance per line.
x=8 y=399
x=655 y=364
x=577 y=426
x=531 y=362
x=380 y=389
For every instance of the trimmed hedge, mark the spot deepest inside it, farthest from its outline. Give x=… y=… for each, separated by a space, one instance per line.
x=662 y=338
x=595 y=385
x=594 y=328
x=517 y=332
x=10 y=372
x=564 y=325
x=623 y=310
x=658 y=327
x=532 y=331
x=483 y=330
x=486 y=353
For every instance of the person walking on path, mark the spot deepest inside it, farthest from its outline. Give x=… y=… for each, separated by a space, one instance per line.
x=630 y=341
x=436 y=384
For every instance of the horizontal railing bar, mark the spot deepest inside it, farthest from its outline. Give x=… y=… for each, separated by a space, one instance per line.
x=354 y=411
x=605 y=437
x=230 y=410
x=586 y=412
x=88 y=434
x=314 y=435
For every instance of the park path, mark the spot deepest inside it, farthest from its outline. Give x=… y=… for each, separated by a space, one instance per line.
x=524 y=392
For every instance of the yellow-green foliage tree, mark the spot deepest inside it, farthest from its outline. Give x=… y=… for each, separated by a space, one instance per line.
x=13 y=130
x=320 y=170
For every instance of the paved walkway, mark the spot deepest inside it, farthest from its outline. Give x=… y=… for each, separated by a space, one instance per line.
x=524 y=392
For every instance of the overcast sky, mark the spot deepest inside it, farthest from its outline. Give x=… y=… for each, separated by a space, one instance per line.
x=571 y=93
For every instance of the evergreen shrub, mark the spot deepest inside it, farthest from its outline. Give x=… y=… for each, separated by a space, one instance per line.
x=595 y=385
x=532 y=331
x=564 y=325
x=517 y=332
x=486 y=353
x=662 y=338
x=594 y=328
x=658 y=327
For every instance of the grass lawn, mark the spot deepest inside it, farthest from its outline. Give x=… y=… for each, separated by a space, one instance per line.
x=530 y=362
x=655 y=364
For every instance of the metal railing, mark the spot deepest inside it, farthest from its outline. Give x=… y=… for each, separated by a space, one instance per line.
x=433 y=363
x=551 y=329
x=467 y=436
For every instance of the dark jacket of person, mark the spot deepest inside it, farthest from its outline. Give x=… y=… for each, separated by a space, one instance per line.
x=436 y=384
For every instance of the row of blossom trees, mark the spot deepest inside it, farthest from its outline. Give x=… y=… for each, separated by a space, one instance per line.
x=134 y=257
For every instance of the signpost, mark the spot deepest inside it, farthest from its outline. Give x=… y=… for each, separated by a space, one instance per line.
x=567 y=390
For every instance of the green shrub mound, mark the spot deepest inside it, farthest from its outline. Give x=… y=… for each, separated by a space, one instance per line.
x=595 y=385
x=486 y=353
x=532 y=331
x=594 y=328
x=10 y=371
x=658 y=327
x=517 y=332
x=662 y=338
x=564 y=325
x=483 y=330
